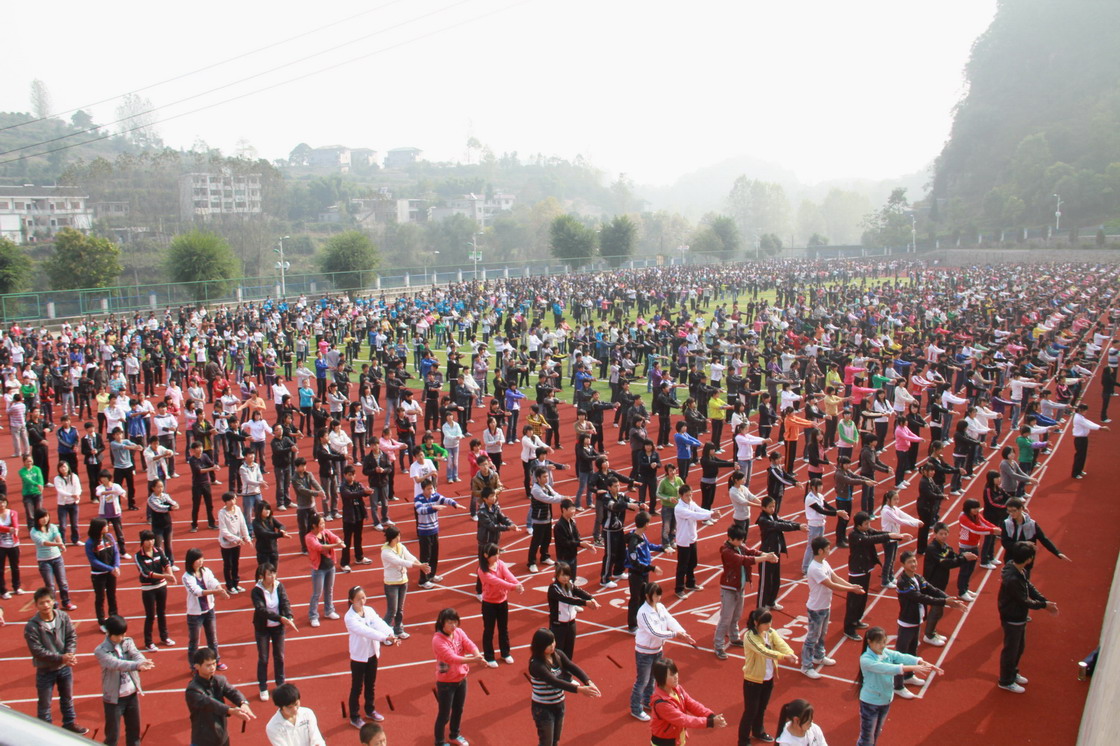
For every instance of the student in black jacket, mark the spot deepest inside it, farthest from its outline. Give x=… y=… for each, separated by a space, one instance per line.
x=915 y=596
x=772 y=530
x=663 y=405
x=266 y=532
x=930 y=497
x=564 y=601
x=862 y=559
x=1019 y=526
x=777 y=479
x=940 y=559
x=1016 y=598
x=869 y=463
x=206 y=695
x=565 y=536
x=271 y=614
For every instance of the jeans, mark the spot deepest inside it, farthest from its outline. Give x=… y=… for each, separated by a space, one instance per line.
x=730 y=612
x=813 y=652
x=68 y=514
x=129 y=709
x=54 y=577
x=271 y=637
x=249 y=508
x=643 y=684
x=394 y=606
x=322 y=584
x=283 y=485
x=550 y=722
x=668 y=525
x=45 y=682
x=452 y=463
x=814 y=532
x=871 y=720
x=205 y=621
x=451 y=696
x=303 y=521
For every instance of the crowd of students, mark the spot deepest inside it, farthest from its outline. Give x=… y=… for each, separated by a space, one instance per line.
x=313 y=398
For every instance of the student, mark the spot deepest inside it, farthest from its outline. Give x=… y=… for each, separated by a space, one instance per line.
x=232 y=535
x=777 y=479
x=542 y=498
x=1082 y=426
x=1017 y=596
x=816 y=510
x=741 y=500
x=796 y=726
x=353 y=495
x=108 y=496
x=252 y=485
x=293 y=724
x=201 y=587
x=737 y=561
x=428 y=504
x=367 y=632
x=307 y=488
x=862 y=559
x=655 y=626
x=763 y=647
x=689 y=515
x=846 y=481
x=267 y=531
x=372 y=734
x=1019 y=526
x=271 y=614
x=69 y=490
x=972 y=525
x=497 y=582
x=9 y=548
x=822 y=582
x=894 y=518
x=773 y=530
x=566 y=538
x=551 y=675
x=878 y=665
x=120 y=663
x=155 y=573
x=53 y=644
x=31 y=487
x=321 y=546
x=454 y=652
x=123 y=468
x=940 y=559
x=207 y=695
x=202 y=471
x=668 y=493
x=930 y=497
x=104 y=567
x=565 y=600
x=396 y=561
x=639 y=563
x=160 y=506
x=614 y=503
x=674 y=712
x=48 y=555
x=915 y=597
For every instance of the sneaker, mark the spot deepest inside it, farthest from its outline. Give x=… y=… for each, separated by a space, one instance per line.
x=915 y=681
x=862 y=625
x=826 y=661
x=168 y=643
x=194 y=530
x=126 y=555
x=890 y=585
x=491 y=664
x=695 y=588
x=460 y=740
x=957 y=492
x=151 y=647
x=721 y=654
x=1020 y=680
x=6 y=595
x=1015 y=688
x=853 y=637
x=631 y=630
x=988 y=566
x=549 y=561
x=174 y=568
x=378 y=527
x=314 y=622
x=905 y=693
x=474 y=518
x=776 y=607
x=609 y=584
x=375 y=716
x=223 y=667
x=403 y=635
x=968 y=596
x=937 y=641
x=70 y=607
x=357 y=723
x=534 y=568
x=281 y=507
x=736 y=643
x=812 y=673
x=365 y=561
x=764 y=737
x=333 y=615
x=640 y=716
x=508 y=659
x=345 y=568
x=82 y=730
x=437 y=578
x=264 y=695
x=427 y=586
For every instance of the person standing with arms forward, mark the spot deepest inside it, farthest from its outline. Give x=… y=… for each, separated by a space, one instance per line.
x=639 y=563
x=293 y=724
x=822 y=582
x=551 y=674
x=321 y=547
x=367 y=632
x=202 y=467
x=120 y=663
x=763 y=647
x=1017 y=596
x=737 y=561
x=689 y=515
x=915 y=596
x=673 y=710
x=454 y=653
x=271 y=613
x=53 y=643
x=1082 y=426
x=207 y=695
x=862 y=559
x=1019 y=526
x=655 y=626
x=877 y=666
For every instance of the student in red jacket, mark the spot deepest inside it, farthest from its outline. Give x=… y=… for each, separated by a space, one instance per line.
x=737 y=561
x=673 y=710
x=974 y=527
x=497 y=582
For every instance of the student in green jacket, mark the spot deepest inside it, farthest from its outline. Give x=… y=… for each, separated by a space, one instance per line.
x=31 y=479
x=668 y=490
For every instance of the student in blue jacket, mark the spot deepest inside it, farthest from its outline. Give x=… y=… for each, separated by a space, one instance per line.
x=878 y=665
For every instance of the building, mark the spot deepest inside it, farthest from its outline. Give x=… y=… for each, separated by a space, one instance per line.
x=480 y=208
x=402 y=157
x=387 y=209
x=334 y=157
x=362 y=158
x=110 y=210
x=203 y=195
x=30 y=213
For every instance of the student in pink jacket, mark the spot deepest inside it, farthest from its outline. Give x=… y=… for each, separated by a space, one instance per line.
x=454 y=653
x=497 y=582
x=904 y=438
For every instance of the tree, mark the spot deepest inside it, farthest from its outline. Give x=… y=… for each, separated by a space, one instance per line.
x=82 y=120
x=890 y=225
x=758 y=207
x=203 y=259
x=817 y=240
x=616 y=240
x=15 y=268
x=347 y=256
x=137 y=121
x=40 y=99
x=81 y=261
x=769 y=243
x=662 y=233
x=718 y=235
x=572 y=242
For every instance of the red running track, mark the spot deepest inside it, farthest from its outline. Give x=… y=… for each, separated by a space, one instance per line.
x=964 y=706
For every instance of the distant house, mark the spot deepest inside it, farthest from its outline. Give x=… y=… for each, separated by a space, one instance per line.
x=110 y=210
x=30 y=213
x=387 y=209
x=204 y=195
x=335 y=157
x=363 y=157
x=402 y=157
x=480 y=208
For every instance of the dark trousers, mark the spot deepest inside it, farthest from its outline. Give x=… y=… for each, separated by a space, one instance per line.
x=161 y=527
x=155 y=612
x=363 y=676
x=270 y=637
x=550 y=722
x=928 y=518
x=126 y=478
x=200 y=495
x=129 y=709
x=231 y=558
x=755 y=699
x=637 y=583
x=303 y=520
x=429 y=555
x=707 y=495
x=906 y=642
x=45 y=682
x=842 y=523
x=542 y=537
x=663 y=430
x=9 y=556
x=451 y=698
x=933 y=616
x=495 y=615
x=565 y=633
x=1014 y=642
x=769 y=578
x=613 y=555
x=1080 y=452
x=352 y=537
x=68 y=514
x=104 y=586
x=856 y=602
x=687 y=558
x=964 y=575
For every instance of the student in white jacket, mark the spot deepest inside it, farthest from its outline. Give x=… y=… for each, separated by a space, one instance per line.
x=688 y=515
x=655 y=626
x=367 y=632
x=894 y=518
x=232 y=534
x=396 y=561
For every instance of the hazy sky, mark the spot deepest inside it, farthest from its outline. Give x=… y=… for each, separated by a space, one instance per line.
x=652 y=89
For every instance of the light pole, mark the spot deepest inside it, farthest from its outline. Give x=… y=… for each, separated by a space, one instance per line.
x=475 y=255
x=282 y=266
x=913 y=234
x=1058 y=214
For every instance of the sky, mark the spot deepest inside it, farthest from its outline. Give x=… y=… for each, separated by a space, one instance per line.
x=652 y=90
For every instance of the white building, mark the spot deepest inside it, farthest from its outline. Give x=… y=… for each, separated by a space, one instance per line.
x=31 y=213
x=202 y=195
x=478 y=207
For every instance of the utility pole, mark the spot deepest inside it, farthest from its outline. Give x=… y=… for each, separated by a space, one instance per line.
x=282 y=265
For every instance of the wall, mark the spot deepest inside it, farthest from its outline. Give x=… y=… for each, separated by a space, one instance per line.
x=969 y=257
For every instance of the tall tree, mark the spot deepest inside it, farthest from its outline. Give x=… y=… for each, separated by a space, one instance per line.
x=15 y=268
x=81 y=261
x=572 y=242
x=137 y=121
x=205 y=260
x=616 y=240
x=758 y=207
x=719 y=235
x=890 y=225
x=350 y=257
x=41 y=105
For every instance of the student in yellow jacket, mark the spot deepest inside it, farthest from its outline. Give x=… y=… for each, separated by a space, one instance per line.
x=763 y=648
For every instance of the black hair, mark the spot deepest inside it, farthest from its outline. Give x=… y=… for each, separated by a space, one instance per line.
x=542 y=639
x=446 y=615
x=391 y=532
x=194 y=554
x=97 y=527
x=285 y=695
x=262 y=568
x=821 y=542
x=661 y=670
x=116 y=625
x=736 y=532
x=641 y=520
x=757 y=617
x=484 y=554
x=204 y=655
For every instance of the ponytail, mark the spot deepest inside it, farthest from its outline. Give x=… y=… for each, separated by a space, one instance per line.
x=798 y=709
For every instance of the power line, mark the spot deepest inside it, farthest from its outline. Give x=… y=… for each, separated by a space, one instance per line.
x=328 y=68
x=207 y=67
x=232 y=83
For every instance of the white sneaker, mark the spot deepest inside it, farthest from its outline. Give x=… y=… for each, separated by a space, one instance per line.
x=491 y=664
x=345 y=568
x=640 y=716
x=988 y=566
x=264 y=695
x=937 y=641
x=915 y=681
x=776 y=607
x=826 y=661
x=508 y=659
x=403 y=635
x=314 y=622
x=427 y=586
x=437 y=578
x=905 y=693
x=366 y=561
x=549 y=561
x=1015 y=688
x=812 y=673
x=534 y=568
x=333 y=615
x=609 y=584
x=1020 y=680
